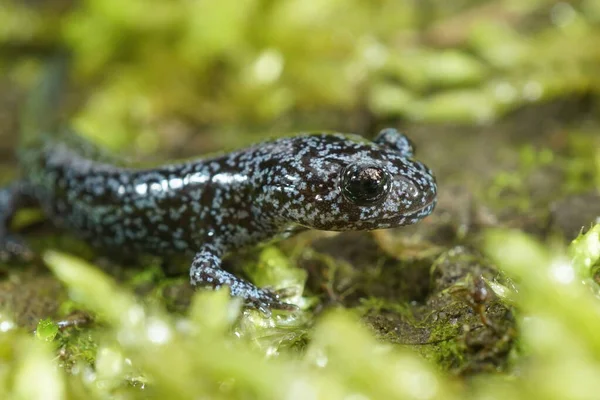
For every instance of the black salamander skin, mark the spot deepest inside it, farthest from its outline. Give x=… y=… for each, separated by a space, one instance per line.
x=209 y=207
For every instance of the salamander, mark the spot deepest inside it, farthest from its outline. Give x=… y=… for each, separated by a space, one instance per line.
x=208 y=207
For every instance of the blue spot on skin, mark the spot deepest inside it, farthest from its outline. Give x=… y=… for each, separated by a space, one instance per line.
x=208 y=207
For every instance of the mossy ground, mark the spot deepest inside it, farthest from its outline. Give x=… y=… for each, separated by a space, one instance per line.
x=486 y=298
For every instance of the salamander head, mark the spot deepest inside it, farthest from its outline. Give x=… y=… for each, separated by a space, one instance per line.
x=344 y=182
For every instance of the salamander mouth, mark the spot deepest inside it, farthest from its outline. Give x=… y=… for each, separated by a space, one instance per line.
x=418 y=212
x=415 y=214
x=430 y=200
x=427 y=208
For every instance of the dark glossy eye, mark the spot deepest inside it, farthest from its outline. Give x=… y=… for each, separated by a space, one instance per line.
x=365 y=185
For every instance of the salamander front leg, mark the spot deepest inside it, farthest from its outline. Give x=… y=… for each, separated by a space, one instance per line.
x=206 y=271
x=12 y=247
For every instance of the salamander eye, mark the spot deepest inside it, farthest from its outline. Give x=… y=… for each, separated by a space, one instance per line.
x=365 y=185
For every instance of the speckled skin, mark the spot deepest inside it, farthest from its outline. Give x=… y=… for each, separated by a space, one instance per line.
x=209 y=207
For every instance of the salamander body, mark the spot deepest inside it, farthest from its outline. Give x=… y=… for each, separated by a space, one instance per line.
x=206 y=208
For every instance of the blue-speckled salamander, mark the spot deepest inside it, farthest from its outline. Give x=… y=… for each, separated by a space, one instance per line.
x=209 y=207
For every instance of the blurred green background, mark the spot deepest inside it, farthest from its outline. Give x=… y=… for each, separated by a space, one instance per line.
x=488 y=298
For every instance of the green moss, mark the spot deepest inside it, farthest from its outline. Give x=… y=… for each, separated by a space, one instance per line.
x=46 y=330
x=192 y=356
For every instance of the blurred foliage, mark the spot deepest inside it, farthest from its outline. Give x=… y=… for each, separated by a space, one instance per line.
x=146 y=352
x=242 y=65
